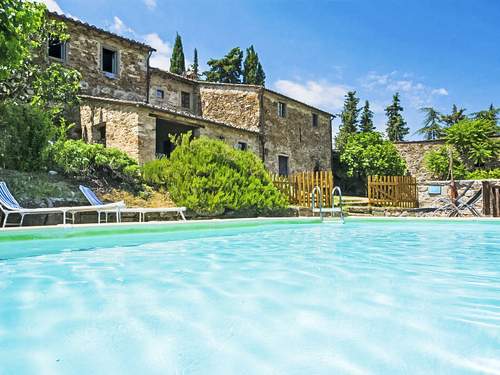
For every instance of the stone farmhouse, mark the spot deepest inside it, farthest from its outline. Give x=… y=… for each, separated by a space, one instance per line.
x=127 y=104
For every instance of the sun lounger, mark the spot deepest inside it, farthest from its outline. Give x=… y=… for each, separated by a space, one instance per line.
x=142 y=211
x=469 y=205
x=9 y=206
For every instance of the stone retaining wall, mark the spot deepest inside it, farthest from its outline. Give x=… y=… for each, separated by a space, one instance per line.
x=413 y=153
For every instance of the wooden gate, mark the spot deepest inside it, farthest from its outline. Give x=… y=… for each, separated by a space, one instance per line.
x=298 y=187
x=393 y=191
x=491 y=199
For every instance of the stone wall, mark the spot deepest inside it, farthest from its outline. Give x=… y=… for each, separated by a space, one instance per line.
x=172 y=86
x=233 y=104
x=413 y=153
x=307 y=147
x=84 y=54
x=120 y=121
x=232 y=136
x=430 y=199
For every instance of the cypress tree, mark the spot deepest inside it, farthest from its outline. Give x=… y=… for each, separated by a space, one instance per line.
x=195 y=63
x=349 y=119
x=253 y=73
x=366 y=120
x=177 y=62
x=396 y=125
x=227 y=69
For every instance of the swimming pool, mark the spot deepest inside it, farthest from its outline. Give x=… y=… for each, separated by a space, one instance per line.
x=252 y=297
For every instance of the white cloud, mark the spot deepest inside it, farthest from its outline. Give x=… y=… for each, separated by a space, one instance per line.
x=51 y=5
x=160 y=58
x=442 y=91
x=150 y=4
x=316 y=93
x=417 y=93
x=119 y=27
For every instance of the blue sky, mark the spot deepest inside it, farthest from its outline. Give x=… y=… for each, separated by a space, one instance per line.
x=434 y=52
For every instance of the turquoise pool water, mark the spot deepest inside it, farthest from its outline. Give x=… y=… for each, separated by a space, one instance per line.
x=367 y=297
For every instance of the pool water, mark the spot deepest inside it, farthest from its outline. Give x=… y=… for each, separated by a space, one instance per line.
x=367 y=297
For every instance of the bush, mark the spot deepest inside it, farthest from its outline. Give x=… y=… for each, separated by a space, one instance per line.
x=210 y=177
x=154 y=172
x=483 y=174
x=26 y=131
x=94 y=161
x=438 y=163
x=367 y=153
x=473 y=141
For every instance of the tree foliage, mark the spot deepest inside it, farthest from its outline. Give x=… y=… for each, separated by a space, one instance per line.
x=438 y=162
x=349 y=119
x=195 y=67
x=366 y=119
x=432 y=128
x=26 y=131
x=367 y=153
x=177 y=61
x=396 y=125
x=210 y=177
x=226 y=69
x=253 y=73
x=455 y=116
x=27 y=75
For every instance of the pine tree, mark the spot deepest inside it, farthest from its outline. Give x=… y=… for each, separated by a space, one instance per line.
x=366 y=120
x=253 y=73
x=431 y=129
x=177 y=62
x=490 y=114
x=349 y=119
x=227 y=69
x=455 y=116
x=396 y=125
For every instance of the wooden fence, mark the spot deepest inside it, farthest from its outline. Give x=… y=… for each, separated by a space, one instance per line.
x=393 y=191
x=491 y=199
x=299 y=186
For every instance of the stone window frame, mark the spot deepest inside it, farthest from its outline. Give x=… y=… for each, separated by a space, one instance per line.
x=282 y=109
x=241 y=145
x=181 y=92
x=314 y=119
x=118 y=60
x=162 y=96
x=287 y=163
x=65 y=52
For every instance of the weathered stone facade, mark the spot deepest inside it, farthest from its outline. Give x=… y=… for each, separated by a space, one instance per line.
x=137 y=107
x=234 y=104
x=84 y=53
x=413 y=153
x=307 y=147
x=172 y=86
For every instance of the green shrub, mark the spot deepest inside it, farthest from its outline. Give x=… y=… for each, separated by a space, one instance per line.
x=154 y=172
x=367 y=153
x=484 y=174
x=473 y=141
x=26 y=131
x=94 y=161
x=210 y=177
x=438 y=163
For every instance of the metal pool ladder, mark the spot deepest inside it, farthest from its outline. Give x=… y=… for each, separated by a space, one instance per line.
x=332 y=209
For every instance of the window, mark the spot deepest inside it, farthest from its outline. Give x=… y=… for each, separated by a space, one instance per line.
x=185 y=100
x=109 y=61
x=242 y=146
x=160 y=94
x=314 y=120
x=283 y=165
x=281 y=109
x=57 y=49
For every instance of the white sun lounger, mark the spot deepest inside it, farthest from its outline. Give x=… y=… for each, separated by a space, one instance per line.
x=142 y=211
x=9 y=206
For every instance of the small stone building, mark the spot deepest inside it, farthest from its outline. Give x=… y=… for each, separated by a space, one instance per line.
x=128 y=104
